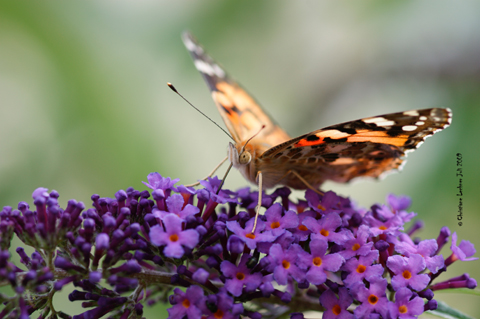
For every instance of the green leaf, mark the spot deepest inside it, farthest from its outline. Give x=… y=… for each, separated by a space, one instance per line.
x=445 y=311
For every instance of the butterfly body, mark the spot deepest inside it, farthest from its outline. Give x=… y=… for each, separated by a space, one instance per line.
x=264 y=152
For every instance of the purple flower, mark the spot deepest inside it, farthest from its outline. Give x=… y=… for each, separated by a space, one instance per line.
x=327 y=203
x=406 y=270
x=460 y=252
x=301 y=232
x=186 y=303
x=301 y=245
x=175 y=206
x=426 y=248
x=389 y=224
x=442 y=238
x=102 y=241
x=362 y=268
x=317 y=262
x=246 y=235
x=283 y=263
x=276 y=223
x=40 y=192
x=373 y=299
x=267 y=287
x=463 y=281
x=325 y=228
x=224 y=196
x=398 y=203
x=357 y=246
x=267 y=200
x=240 y=276
x=221 y=306
x=336 y=307
x=173 y=236
x=156 y=181
x=404 y=306
x=201 y=275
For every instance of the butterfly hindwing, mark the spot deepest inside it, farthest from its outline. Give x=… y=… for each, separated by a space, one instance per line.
x=365 y=147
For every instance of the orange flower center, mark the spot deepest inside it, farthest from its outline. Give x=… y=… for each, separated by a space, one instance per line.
x=336 y=310
x=372 y=299
x=382 y=228
x=317 y=261
x=250 y=235
x=324 y=232
x=407 y=275
x=319 y=206
x=402 y=309
x=361 y=269
x=286 y=264
x=218 y=314
x=302 y=228
x=275 y=225
x=356 y=247
x=186 y=303
x=173 y=238
x=240 y=276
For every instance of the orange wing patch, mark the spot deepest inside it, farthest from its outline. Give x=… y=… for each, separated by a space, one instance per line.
x=334 y=136
x=378 y=137
x=328 y=136
x=244 y=117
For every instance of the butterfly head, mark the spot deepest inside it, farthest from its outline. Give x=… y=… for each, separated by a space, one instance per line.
x=239 y=155
x=242 y=154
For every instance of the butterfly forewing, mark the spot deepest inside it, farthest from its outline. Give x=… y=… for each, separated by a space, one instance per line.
x=240 y=112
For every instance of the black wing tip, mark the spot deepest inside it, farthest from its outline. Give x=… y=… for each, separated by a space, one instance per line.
x=192 y=44
x=449 y=115
x=187 y=35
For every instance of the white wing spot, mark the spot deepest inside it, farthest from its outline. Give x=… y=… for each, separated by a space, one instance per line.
x=192 y=46
x=420 y=123
x=408 y=128
x=422 y=118
x=411 y=113
x=209 y=69
x=189 y=44
x=218 y=71
x=380 y=121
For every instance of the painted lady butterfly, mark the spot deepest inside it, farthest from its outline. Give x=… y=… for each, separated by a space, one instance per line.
x=267 y=155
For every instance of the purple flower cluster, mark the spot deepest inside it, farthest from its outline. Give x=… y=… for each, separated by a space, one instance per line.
x=321 y=253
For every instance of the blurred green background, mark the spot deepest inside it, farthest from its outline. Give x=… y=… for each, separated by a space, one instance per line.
x=84 y=106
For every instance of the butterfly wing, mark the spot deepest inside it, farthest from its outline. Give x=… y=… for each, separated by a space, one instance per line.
x=241 y=114
x=341 y=152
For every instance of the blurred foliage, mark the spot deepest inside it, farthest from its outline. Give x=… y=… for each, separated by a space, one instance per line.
x=84 y=107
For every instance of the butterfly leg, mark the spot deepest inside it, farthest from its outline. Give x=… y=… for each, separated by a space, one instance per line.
x=260 y=193
x=305 y=182
x=209 y=175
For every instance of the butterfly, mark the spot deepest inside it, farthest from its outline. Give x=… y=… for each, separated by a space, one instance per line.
x=266 y=155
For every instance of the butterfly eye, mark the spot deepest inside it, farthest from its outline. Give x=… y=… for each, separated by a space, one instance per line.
x=245 y=158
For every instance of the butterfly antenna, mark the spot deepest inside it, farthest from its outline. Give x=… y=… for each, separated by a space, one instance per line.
x=243 y=147
x=170 y=85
